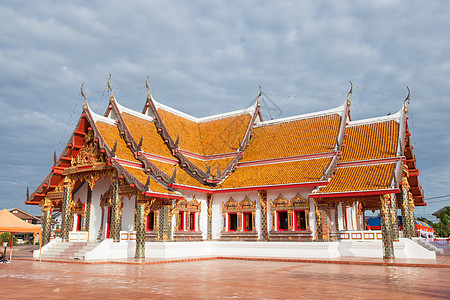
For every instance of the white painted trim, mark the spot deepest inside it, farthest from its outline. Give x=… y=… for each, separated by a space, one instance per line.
x=249 y=110
x=395 y=117
x=338 y=110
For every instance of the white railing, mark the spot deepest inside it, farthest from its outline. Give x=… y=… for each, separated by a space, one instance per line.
x=128 y=235
x=78 y=236
x=362 y=235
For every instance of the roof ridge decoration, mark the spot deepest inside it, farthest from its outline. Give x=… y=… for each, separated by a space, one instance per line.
x=148 y=167
x=340 y=138
x=184 y=162
x=245 y=142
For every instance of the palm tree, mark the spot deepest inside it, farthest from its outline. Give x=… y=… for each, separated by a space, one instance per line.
x=442 y=228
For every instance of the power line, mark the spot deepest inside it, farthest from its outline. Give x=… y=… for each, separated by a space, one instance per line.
x=443 y=196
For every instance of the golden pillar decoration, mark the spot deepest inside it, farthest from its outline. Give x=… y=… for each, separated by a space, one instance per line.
x=209 y=201
x=140 y=215
x=411 y=215
x=263 y=203
x=386 y=227
x=394 y=219
x=66 y=209
x=406 y=215
x=47 y=219
x=115 y=224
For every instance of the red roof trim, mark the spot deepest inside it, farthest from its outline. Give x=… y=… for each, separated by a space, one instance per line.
x=370 y=161
x=159 y=158
x=272 y=187
x=355 y=194
x=287 y=159
x=158 y=195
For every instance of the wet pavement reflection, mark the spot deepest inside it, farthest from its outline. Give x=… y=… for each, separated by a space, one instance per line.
x=220 y=279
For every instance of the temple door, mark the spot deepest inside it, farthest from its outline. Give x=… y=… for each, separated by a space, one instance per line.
x=108 y=222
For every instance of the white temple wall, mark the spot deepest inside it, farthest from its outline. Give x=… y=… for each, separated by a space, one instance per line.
x=128 y=213
x=217 y=222
x=203 y=226
x=340 y=216
x=354 y=218
x=100 y=188
x=348 y=216
x=312 y=218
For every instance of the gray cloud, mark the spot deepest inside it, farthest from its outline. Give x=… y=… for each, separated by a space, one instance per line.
x=209 y=57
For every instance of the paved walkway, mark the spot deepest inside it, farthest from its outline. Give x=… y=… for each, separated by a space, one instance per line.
x=442 y=261
x=220 y=279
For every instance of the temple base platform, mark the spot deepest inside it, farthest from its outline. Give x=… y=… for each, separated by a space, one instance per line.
x=109 y=250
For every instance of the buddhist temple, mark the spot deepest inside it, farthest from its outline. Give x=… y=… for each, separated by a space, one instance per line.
x=136 y=183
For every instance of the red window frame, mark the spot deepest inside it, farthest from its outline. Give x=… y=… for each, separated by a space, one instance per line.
x=295 y=220
x=181 y=224
x=229 y=221
x=78 y=222
x=278 y=220
x=148 y=223
x=244 y=228
x=192 y=215
x=108 y=222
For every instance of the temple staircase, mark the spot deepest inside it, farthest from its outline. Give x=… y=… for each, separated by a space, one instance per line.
x=68 y=250
x=428 y=246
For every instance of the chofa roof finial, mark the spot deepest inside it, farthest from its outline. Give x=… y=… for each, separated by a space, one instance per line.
x=259 y=95
x=148 y=89
x=109 y=87
x=349 y=93
x=84 y=96
x=408 y=98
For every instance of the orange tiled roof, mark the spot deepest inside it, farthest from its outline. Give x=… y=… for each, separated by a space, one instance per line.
x=152 y=141
x=142 y=177
x=301 y=137
x=370 y=141
x=110 y=134
x=206 y=138
x=222 y=135
x=301 y=171
x=360 y=178
x=186 y=129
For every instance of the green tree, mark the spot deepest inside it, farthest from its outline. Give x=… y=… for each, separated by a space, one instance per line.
x=5 y=237
x=442 y=227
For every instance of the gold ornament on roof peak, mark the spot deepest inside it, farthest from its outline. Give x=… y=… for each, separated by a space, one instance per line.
x=148 y=89
x=408 y=98
x=349 y=93
x=110 y=89
x=85 y=106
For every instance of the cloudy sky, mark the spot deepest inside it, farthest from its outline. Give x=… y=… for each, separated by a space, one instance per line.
x=207 y=57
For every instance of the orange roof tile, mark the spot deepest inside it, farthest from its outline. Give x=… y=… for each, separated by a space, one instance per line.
x=110 y=134
x=222 y=135
x=370 y=141
x=209 y=137
x=152 y=141
x=360 y=178
x=186 y=129
x=142 y=177
x=301 y=137
x=301 y=171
